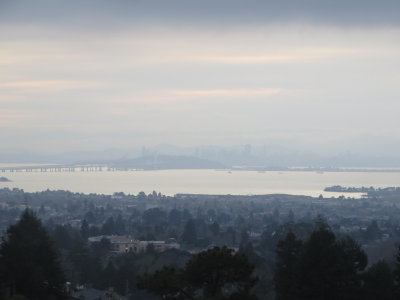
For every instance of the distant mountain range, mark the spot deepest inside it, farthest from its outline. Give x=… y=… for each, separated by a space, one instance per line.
x=163 y=162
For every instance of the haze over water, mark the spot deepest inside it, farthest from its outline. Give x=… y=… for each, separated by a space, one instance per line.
x=170 y=182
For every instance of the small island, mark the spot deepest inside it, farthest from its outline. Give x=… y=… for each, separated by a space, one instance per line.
x=390 y=191
x=4 y=179
x=342 y=189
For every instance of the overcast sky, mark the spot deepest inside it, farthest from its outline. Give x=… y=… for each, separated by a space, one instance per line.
x=308 y=74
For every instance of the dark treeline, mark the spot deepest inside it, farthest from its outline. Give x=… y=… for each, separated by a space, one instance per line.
x=320 y=267
x=258 y=227
x=325 y=267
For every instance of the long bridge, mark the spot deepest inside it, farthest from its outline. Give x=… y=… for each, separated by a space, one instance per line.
x=62 y=168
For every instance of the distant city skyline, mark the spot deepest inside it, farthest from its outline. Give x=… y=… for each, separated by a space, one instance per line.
x=259 y=156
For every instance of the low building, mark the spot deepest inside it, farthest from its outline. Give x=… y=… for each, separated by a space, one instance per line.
x=122 y=244
x=94 y=294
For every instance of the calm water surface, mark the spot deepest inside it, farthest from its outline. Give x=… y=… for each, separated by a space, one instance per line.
x=170 y=182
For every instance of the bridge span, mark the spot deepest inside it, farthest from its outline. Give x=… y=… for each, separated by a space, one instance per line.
x=61 y=168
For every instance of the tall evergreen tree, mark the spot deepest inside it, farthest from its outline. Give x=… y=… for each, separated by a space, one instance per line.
x=323 y=268
x=288 y=253
x=378 y=282
x=174 y=217
x=221 y=274
x=215 y=274
x=189 y=235
x=373 y=232
x=30 y=260
x=329 y=269
x=396 y=274
x=120 y=225
x=108 y=227
x=61 y=237
x=85 y=229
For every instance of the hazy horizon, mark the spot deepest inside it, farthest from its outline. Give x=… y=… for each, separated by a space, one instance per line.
x=305 y=76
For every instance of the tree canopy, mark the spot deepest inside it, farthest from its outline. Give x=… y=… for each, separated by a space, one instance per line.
x=218 y=273
x=322 y=267
x=30 y=261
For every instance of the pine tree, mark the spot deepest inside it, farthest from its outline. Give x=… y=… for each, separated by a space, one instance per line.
x=108 y=227
x=189 y=235
x=288 y=253
x=321 y=268
x=329 y=269
x=85 y=229
x=120 y=225
x=378 y=282
x=30 y=260
x=218 y=273
x=396 y=274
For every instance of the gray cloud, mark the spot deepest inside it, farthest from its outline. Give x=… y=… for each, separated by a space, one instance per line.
x=88 y=74
x=103 y=15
